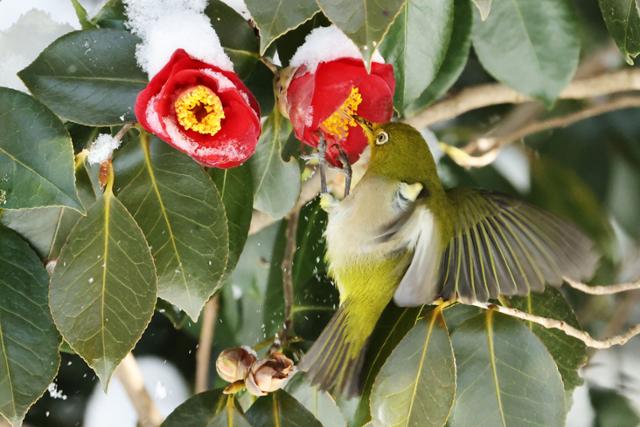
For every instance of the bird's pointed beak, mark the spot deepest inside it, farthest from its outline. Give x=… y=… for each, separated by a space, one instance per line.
x=367 y=128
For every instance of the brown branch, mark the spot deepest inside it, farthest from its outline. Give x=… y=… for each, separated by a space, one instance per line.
x=486 y=95
x=488 y=147
x=128 y=373
x=287 y=269
x=203 y=354
x=603 y=289
x=569 y=330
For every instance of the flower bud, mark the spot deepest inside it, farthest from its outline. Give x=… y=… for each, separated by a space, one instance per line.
x=269 y=374
x=234 y=364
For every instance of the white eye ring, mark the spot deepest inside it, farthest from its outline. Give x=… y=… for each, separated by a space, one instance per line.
x=382 y=138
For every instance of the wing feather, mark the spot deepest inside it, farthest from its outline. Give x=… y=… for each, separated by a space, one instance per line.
x=502 y=246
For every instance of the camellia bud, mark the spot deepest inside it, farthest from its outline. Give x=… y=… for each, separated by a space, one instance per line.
x=269 y=374
x=234 y=364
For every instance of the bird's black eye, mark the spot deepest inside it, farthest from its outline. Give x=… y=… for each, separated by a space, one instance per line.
x=382 y=138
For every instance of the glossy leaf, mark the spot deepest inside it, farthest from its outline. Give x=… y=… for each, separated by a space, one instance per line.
x=36 y=156
x=320 y=403
x=208 y=409
x=569 y=353
x=506 y=377
x=237 y=37
x=622 y=18
x=365 y=21
x=276 y=183
x=183 y=218
x=417 y=384
x=103 y=289
x=88 y=77
x=81 y=13
x=484 y=7
x=280 y=409
x=612 y=409
x=391 y=328
x=455 y=58
x=46 y=229
x=415 y=53
x=29 y=341
x=276 y=17
x=236 y=190
x=111 y=15
x=520 y=43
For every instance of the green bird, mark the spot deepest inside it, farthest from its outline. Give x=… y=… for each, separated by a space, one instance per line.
x=400 y=235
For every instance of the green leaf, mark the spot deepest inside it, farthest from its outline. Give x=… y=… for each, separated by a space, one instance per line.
x=81 y=13
x=208 y=409
x=417 y=384
x=569 y=353
x=320 y=403
x=36 y=156
x=276 y=183
x=88 y=77
x=484 y=7
x=391 y=328
x=415 y=53
x=103 y=289
x=29 y=341
x=237 y=37
x=46 y=229
x=273 y=306
x=276 y=17
x=365 y=21
x=183 y=218
x=532 y=46
x=506 y=377
x=236 y=189
x=622 y=18
x=111 y=15
x=612 y=409
x=455 y=59
x=282 y=410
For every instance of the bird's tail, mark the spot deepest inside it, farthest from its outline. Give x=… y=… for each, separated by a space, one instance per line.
x=335 y=359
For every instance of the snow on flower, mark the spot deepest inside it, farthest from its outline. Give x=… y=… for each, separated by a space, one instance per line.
x=330 y=87
x=194 y=101
x=102 y=149
x=201 y=109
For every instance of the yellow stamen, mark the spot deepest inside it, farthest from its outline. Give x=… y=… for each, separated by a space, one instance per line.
x=338 y=123
x=199 y=109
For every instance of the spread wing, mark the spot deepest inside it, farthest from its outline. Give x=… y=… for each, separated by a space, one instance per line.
x=502 y=246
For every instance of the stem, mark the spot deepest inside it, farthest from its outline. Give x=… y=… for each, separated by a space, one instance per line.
x=322 y=163
x=569 y=330
x=128 y=373
x=486 y=95
x=203 y=354
x=123 y=131
x=603 y=289
x=287 y=270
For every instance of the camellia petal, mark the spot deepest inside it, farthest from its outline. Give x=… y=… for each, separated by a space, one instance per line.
x=326 y=101
x=202 y=110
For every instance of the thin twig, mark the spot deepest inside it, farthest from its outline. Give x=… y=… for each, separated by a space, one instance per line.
x=603 y=289
x=128 y=373
x=486 y=95
x=203 y=354
x=123 y=131
x=569 y=330
x=488 y=147
x=287 y=269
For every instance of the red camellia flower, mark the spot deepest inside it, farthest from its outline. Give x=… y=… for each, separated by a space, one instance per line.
x=202 y=110
x=324 y=96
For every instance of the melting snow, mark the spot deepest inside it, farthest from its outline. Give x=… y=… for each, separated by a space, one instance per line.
x=102 y=148
x=167 y=25
x=325 y=44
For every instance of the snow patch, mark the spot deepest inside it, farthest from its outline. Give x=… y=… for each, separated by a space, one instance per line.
x=325 y=44
x=223 y=82
x=102 y=148
x=167 y=25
